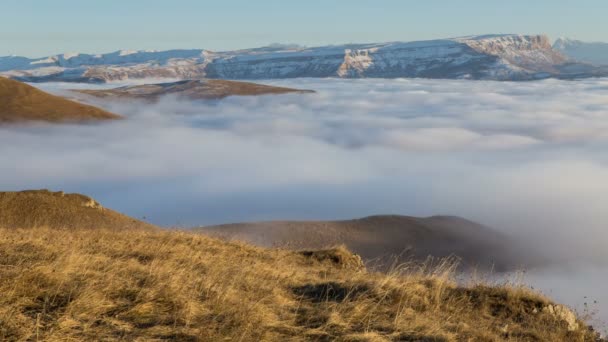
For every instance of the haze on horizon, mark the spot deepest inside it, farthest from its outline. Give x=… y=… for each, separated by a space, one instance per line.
x=63 y=26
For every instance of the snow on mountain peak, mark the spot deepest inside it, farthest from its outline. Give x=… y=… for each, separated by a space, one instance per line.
x=127 y=52
x=508 y=41
x=70 y=55
x=495 y=57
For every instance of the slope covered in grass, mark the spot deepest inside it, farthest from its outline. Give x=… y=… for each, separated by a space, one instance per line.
x=146 y=285
x=21 y=102
x=43 y=208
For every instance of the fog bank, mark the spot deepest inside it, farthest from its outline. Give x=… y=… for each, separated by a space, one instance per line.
x=526 y=158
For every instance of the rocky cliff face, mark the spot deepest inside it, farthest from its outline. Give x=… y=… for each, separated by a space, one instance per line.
x=531 y=53
x=493 y=57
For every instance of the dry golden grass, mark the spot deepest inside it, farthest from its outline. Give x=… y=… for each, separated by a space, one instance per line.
x=43 y=208
x=148 y=285
x=21 y=102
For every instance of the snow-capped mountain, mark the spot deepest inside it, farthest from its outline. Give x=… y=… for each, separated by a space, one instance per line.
x=594 y=53
x=490 y=57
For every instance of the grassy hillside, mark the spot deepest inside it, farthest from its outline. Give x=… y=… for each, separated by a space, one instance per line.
x=43 y=208
x=80 y=284
x=84 y=284
x=21 y=102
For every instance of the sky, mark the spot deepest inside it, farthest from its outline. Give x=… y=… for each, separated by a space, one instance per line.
x=37 y=28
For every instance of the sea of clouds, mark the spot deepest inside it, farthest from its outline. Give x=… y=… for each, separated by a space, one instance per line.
x=527 y=158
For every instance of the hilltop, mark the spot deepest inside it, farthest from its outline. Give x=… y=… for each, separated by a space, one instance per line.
x=58 y=210
x=509 y=57
x=191 y=89
x=379 y=239
x=21 y=102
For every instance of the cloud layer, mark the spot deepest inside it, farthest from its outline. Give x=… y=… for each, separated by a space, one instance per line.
x=485 y=150
x=405 y=146
x=527 y=158
x=523 y=157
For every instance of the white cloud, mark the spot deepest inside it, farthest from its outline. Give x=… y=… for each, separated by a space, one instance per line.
x=356 y=147
x=528 y=158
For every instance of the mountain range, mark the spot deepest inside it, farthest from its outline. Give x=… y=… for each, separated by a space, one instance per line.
x=589 y=52
x=487 y=57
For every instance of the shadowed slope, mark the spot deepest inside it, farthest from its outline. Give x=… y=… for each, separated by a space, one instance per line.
x=42 y=208
x=381 y=238
x=194 y=90
x=21 y=102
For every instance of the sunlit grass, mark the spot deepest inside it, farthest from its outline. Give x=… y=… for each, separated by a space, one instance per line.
x=156 y=285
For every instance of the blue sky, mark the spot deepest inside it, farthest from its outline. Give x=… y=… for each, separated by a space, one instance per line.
x=37 y=28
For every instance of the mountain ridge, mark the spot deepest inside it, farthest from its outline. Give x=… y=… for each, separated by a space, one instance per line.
x=487 y=57
x=587 y=52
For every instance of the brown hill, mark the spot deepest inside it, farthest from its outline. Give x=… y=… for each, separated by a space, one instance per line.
x=191 y=89
x=21 y=102
x=383 y=239
x=42 y=208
